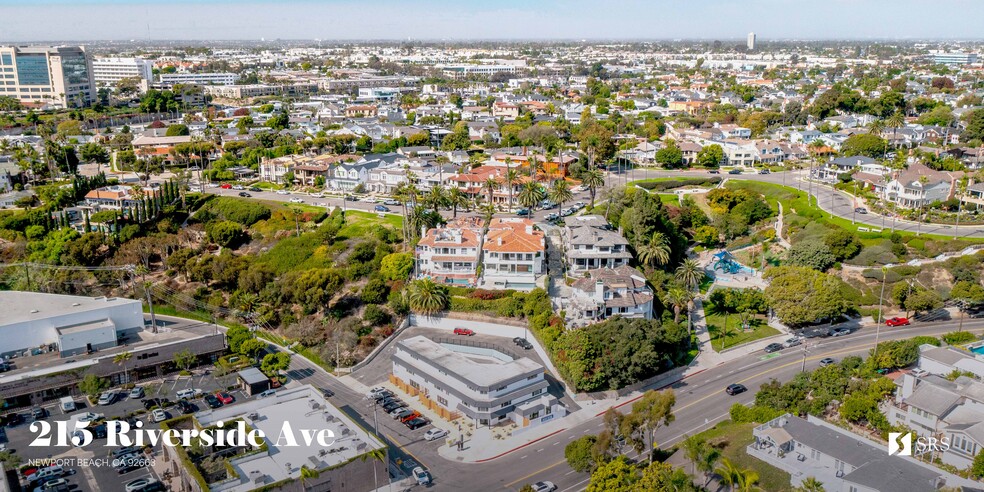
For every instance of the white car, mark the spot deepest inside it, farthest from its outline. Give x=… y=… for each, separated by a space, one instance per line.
x=544 y=486
x=283 y=192
x=435 y=433
x=107 y=398
x=318 y=195
x=375 y=391
x=296 y=200
x=139 y=484
x=90 y=416
x=238 y=187
x=189 y=393
x=136 y=392
x=56 y=484
x=158 y=416
x=421 y=475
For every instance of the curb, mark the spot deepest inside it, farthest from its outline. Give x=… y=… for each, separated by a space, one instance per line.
x=667 y=385
x=520 y=447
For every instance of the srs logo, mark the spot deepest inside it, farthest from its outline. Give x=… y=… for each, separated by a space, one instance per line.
x=901 y=444
x=893 y=444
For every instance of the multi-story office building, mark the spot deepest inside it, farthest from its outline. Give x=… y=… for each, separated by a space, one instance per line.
x=750 y=43
x=954 y=58
x=464 y=71
x=480 y=383
x=223 y=78
x=59 y=76
x=108 y=71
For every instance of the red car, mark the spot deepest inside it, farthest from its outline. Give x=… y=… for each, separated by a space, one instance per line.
x=226 y=186
x=897 y=321
x=463 y=331
x=225 y=398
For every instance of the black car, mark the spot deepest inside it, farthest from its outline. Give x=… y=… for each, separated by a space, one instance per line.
x=522 y=342
x=11 y=419
x=212 y=401
x=244 y=194
x=185 y=407
x=327 y=392
x=734 y=389
x=155 y=402
x=351 y=198
x=393 y=405
x=414 y=424
x=382 y=395
x=387 y=401
x=713 y=171
x=39 y=413
x=734 y=171
x=773 y=347
x=381 y=208
x=255 y=188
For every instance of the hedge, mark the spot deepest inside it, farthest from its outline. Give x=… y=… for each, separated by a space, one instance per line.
x=677 y=183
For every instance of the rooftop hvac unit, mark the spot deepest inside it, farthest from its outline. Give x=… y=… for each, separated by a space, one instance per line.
x=346 y=431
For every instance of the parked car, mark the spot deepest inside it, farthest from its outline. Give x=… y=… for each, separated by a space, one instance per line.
x=551 y=217
x=388 y=400
x=269 y=392
x=327 y=393
x=226 y=186
x=897 y=321
x=381 y=208
x=129 y=463
x=579 y=205
x=734 y=389
x=155 y=402
x=224 y=397
x=544 y=486
x=244 y=194
x=773 y=347
x=283 y=192
x=765 y=171
x=373 y=392
x=136 y=392
x=826 y=361
x=393 y=405
x=839 y=332
x=158 y=416
x=382 y=395
x=255 y=188
x=435 y=433
x=713 y=171
x=39 y=413
x=567 y=211
x=184 y=407
x=414 y=424
x=390 y=201
x=421 y=476
x=463 y=331
x=107 y=398
x=547 y=205
x=410 y=417
x=522 y=342
x=139 y=485
x=296 y=200
x=351 y=198
x=734 y=171
x=55 y=485
x=861 y=210
x=212 y=401
x=523 y=212
x=400 y=413
x=238 y=187
x=11 y=419
x=90 y=417
x=792 y=342
x=47 y=472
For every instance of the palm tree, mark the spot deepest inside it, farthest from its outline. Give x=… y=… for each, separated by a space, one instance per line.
x=491 y=184
x=560 y=192
x=816 y=148
x=690 y=274
x=511 y=177
x=896 y=121
x=531 y=195
x=121 y=359
x=730 y=474
x=593 y=179
x=876 y=128
x=657 y=251
x=247 y=302
x=678 y=299
x=426 y=296
x=708 y=462
x=456 y=198
x=534 y=167
x=810 y=484
x=437 y=198
x=747 y=480
x=695 y=447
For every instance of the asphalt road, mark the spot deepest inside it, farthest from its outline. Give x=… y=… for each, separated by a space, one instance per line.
x=701 y=402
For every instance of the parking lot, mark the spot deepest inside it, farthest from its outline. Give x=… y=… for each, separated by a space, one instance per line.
x=90 y=468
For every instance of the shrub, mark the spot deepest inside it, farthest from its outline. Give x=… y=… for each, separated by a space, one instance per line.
x=244 y=212
x=489 y=295
x=670 y=184
x=375 y=316
x=741 y=414
x=225 y=233
x=959 y=337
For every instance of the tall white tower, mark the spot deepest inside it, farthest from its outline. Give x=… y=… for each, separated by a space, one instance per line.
x=751 y=41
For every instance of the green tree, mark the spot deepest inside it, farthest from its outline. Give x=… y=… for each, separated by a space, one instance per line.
x=184 y=360
x=801 y=295
x=810 y=484
x=274 y=363
x=122 y=359
x=178 y=130
x=91 y=385
x=690 y=274
x=710 y=156
x=396 y=266
x=863 y=144
x=236 y=336
x=670 y=156
x=593 y=179
x=560 y=192
x=977 y=468
x=678 y=300
x=279 y=121
x=252 y=347
x=580 y=453
x=653 y=411
x=616 y=475
x=531 y=195
x=93 y=152
x=457 y=199
x=656 y=251
x=426 y=296
x=812 y=254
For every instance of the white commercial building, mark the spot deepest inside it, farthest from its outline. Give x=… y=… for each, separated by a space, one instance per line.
x=58 y=76
x=954 y=58
x=340 y=456
x=464 y=71
x=108 y=71
x=481 y=383
x=70 y=324
x=221 y=78
x=750 y=43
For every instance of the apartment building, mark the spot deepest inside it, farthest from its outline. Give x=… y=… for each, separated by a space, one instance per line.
x=450 y=254
x=109 y=71
x=39 y=76
x=592 y=244
x=458 y=72
x=513 y=254
x=485 y=384
x=220 y=78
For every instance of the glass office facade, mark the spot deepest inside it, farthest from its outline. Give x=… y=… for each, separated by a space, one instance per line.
x=75 y=69
x=33 y=69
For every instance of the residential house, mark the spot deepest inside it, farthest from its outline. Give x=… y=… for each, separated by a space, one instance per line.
x=608 y=292
x=506 y=111
x=450 y=254
x=840 y=460
x=146 y=147
x=479 y=130
x=513 y=254
x=118 y=196
x=361 y=111
x=689 y=151
x=842 y=165
x=591 y=244
x=346 y=176
x=919 y=186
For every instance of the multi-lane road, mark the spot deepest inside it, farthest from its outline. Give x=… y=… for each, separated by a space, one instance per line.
x=701 y=402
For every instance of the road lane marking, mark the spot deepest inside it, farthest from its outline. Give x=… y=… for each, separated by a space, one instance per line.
x=576 y=485
x=405 y=451
x=521 y=479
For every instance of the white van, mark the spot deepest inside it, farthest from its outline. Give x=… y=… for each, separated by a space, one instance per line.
x=68 y=404
x=47 y=472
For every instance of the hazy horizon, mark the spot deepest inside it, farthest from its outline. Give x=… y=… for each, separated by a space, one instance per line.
x=506 y=20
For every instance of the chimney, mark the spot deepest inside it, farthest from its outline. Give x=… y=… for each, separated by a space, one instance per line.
x=599 y=289
x=500 y=240
x=908 y=386
x=529 y=229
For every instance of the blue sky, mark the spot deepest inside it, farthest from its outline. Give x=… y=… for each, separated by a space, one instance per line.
x=54 y=20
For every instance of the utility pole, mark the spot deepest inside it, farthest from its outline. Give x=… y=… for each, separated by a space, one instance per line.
x=150 y=303
x=881 y=300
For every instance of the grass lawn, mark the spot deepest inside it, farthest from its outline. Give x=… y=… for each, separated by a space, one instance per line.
x=732 y=439
x=795 y=202
x=733 y=335
x=359 y=223
x=670 y=199
x=266 y=185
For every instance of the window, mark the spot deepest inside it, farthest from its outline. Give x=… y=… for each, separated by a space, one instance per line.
x=535 y=415
x=5 y=59
x=506 y=403
x=537 y=392
x=33 y=69
x=443 y=401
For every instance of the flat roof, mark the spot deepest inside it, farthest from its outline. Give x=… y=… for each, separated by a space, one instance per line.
x=18 y=306
x=84 y=327
x=480 y=374
x=252 y=375
x=303 y=408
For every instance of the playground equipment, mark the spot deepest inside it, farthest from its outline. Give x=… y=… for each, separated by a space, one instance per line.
x=726 y=263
